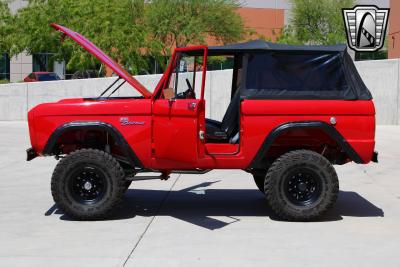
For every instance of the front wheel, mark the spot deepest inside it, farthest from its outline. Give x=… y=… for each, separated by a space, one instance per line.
x=88 y=184
x=301 y=185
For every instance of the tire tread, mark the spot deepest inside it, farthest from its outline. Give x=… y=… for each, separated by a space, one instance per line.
x=117 y=175
x=271 y=182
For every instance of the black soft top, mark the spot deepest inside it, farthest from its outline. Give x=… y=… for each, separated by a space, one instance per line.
x=280 y=71
x=261 y=45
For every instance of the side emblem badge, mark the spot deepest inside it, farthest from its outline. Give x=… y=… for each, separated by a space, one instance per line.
x=125 y=121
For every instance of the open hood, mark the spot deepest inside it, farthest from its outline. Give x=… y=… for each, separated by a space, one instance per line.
x=100 y=55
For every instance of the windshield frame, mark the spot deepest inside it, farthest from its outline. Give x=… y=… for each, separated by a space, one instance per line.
x=190 y=50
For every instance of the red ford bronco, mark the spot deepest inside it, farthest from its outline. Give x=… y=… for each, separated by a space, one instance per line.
x=295 y=111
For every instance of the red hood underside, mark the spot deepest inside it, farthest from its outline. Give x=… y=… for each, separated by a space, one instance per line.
x=106 y=60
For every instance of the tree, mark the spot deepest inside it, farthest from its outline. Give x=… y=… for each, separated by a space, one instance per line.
x=316 y=22
x=5 y=29
x=115 y=26
x=130 y=30
x=175 y=23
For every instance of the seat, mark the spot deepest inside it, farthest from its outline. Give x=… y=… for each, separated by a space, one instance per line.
x=227 y=130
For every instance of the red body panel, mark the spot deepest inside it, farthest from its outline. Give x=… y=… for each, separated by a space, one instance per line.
x=175 y=128
x=355 y=120
x=175 y=139
x=48 y=117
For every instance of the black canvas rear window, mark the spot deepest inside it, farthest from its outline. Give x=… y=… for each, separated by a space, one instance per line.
x=302 y=74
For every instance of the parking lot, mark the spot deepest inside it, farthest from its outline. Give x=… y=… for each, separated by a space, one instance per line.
x=216 y=219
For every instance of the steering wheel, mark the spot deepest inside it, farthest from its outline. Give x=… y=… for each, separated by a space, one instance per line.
x=189 y=93
x=189 y=85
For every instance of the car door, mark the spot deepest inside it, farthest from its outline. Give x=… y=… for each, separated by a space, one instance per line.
x=179 y=112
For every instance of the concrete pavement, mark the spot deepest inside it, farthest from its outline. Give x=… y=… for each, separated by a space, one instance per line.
x=218 y=218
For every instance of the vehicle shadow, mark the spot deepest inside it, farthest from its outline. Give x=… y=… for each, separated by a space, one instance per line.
x=216 y=208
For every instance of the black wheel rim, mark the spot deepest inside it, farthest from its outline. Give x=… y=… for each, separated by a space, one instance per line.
x=87 y=184
x=302 y=187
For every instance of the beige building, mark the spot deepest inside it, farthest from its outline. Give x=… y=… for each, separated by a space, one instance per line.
x=21 y=65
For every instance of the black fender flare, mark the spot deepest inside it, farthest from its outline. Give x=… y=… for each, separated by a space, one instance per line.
x=88 y=125
x=328 y=129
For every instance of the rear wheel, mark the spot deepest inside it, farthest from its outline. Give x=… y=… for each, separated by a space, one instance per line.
x=88 y=184
x=301 y=185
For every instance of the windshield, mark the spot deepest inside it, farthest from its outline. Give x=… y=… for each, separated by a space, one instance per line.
x=47 y=77
x=185 y=80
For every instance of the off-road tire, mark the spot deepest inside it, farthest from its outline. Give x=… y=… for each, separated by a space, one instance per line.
x=280 y=177
x=113 y=184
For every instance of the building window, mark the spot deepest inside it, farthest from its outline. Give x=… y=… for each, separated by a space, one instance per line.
x=42 y=62
x=4 y=67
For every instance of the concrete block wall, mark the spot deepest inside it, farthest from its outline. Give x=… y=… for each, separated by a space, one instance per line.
x=44 y=92
x=382 y=79
x=219 y=92
x=380 y=76
x=13 y=101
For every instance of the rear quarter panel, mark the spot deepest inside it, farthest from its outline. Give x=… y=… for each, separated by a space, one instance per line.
x=355 y=121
